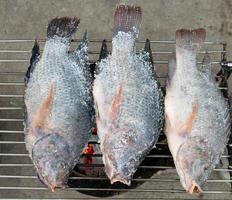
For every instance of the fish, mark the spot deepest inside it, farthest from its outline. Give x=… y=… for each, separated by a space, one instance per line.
x=59 y=103
x=197 y=117
x=129 y=102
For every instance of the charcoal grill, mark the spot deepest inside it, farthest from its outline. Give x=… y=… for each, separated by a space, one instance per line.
x=156 y=177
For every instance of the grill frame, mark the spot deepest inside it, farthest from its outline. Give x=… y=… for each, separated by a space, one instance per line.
x=223 y=74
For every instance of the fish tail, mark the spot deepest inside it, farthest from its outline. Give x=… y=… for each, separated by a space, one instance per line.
x=127 y=18
x=190 y=39
x=63 y=27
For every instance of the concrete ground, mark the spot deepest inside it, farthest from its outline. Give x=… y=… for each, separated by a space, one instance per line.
x=28 y=19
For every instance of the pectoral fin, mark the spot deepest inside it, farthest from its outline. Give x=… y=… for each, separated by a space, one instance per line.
x=116 y=103
x=45 y=109
x=188 y=125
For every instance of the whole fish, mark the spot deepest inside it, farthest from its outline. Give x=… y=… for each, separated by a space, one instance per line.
x=128 y=99
x=197 y=115
x=58 y=103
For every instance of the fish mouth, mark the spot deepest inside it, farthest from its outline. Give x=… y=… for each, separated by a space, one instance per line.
x=54 y=188
x=195 y=188
x=114 y=174
x=120 y=178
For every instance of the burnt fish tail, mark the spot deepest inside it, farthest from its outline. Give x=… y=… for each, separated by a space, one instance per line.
x=58 y=104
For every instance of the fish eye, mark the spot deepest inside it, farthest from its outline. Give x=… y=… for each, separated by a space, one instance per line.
x=205 y=168
x=52 y=145
x=63 y=165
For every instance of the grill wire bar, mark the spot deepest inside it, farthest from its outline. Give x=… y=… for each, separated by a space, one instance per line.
x=225 y=72
x=222 y=76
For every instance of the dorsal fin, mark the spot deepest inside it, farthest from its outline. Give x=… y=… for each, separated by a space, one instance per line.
x=171 y=68
x=82 y=50
x=206 y=68
x=116 y=103
x=34 y=59
x=104 y=51
x=103 y=54
x=147 y=49
x=45 y=109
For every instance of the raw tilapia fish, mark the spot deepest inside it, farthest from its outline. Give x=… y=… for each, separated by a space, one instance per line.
x=128 y=99
x=197 y=115
x=58 y=104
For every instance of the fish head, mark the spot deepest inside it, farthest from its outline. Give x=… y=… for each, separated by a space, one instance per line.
x=51 y=157
x=194 y=164
x=119 y=155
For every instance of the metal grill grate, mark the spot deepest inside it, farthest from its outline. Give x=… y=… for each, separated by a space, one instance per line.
x=156 y=176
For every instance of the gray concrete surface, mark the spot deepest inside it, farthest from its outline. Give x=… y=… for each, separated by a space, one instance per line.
x=28 y=19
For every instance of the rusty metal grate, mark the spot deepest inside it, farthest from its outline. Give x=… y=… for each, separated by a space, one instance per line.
x=156 y=176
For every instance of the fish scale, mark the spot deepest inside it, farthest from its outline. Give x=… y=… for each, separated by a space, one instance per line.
x=67 y=92
x=129 y=122
x=130 y=106
x=197 y=115
x=55 y=141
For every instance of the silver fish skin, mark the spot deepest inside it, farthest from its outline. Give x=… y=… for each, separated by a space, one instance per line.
x=59 y=104
x=128 y=100
x=197 y=115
